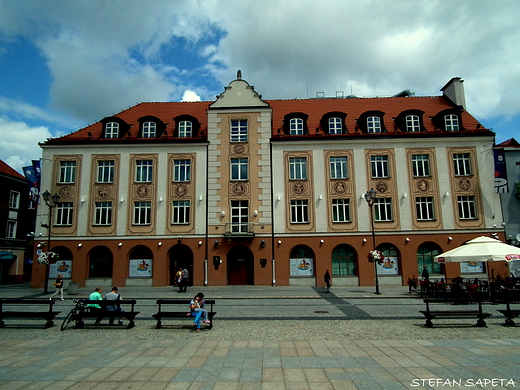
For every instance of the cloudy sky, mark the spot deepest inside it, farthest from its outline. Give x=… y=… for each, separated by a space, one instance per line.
x=67 y=64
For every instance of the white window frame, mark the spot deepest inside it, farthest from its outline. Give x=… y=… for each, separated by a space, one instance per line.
x=340 y=210
x=182 y=170
x=335 y=125
x=462 y=164
x=239 y=216
x=373 y=124
x=379 y=166
x=143 y=171
x=14 y=200
x=451 y=122
x=103 y=213
x=338 y=167
x=383 y=210
x=239 y=169
x=64 y=214
x=106 y=171
x=142 y=213
x=11 y=229
x=425 y=208
x=181 y=212
x=111 y=130
x=67 y=172
x=299 y=211
x=413 y=123
x=149 y=130
x=185 y=129
x=467 y=207
x=296 y=126
x=421 y=165
x=298 y=168
x=239 y=130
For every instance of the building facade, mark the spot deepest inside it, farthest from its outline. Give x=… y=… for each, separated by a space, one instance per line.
x=243 y=190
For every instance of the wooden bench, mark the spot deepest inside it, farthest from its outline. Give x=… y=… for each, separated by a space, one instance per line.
x=110 y=315
x=432 y=314
x=182 y=310
x=509 y=297
x=25 y=308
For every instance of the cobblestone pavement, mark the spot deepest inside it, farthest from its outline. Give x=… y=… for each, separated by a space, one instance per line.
x=264 y=338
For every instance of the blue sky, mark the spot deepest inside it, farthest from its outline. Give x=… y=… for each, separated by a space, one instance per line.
x=67 y=64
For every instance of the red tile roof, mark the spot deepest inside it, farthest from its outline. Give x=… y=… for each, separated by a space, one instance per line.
x=314 y=108
x=511 y=142
x=8 y=171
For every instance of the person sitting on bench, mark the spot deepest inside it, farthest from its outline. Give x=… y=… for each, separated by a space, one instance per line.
x=95 y=308
x=113 y=296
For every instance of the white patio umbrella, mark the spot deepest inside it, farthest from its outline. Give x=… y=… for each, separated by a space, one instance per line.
x=480 y=249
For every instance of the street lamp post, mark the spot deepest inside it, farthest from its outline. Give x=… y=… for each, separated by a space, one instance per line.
x=370 y=197
x=51 y=202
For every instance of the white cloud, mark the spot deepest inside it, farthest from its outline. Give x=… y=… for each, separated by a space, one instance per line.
x=20 y=143
x=190 y=96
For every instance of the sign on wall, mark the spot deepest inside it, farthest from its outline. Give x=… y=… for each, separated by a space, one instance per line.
x=140 y=268
x=471 y=267
x=388 y=267
x=63 y=267
x=302 y=267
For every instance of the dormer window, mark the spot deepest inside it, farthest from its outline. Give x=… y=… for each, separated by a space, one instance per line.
x=335 y=125
x=185 y=129
x=111 y=130
x=373 y=124
x=451 y=122
x=149 y=130
x=296 y=126
x=410 y=121
x=413 y=123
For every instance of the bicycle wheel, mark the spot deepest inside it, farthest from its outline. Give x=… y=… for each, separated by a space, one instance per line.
x=68 y=319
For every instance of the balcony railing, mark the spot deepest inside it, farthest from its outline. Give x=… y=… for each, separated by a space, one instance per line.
x=239 y=229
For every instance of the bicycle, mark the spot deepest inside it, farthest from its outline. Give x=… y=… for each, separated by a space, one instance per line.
x=80 y=307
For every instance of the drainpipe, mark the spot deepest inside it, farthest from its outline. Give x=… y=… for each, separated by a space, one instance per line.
x=206 y=249
x=272 y=216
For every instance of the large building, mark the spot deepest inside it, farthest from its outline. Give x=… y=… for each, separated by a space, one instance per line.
x=243 y=190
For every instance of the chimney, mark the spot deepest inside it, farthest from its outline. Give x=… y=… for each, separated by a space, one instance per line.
x=454 y=90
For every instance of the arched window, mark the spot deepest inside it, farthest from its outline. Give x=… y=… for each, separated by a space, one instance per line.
x=185 y=129
x=296 y=126
x=101 y=260
x=141 y=259
x=63 y=265
x=451 y=122
x=413 y=123
x=335 y=125
x=425 y=257
x=344 y=261
x=149 y=130
x=111 y=130
x=373 y=124
x=302 y=261
x=390 y=264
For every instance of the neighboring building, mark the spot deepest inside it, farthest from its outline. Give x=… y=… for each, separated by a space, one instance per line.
x=250 y=191
x=16 y=223
x=510 y=195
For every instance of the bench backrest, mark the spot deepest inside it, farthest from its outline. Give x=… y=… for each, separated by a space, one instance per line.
x=28 y=301
x=105 y=302
x=184 y=302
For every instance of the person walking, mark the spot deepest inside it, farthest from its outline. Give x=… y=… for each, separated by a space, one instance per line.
x=183 y=284
x=113 y=295
x=425 y=274
x=327 y=279
x=94 y=307
x=58 y=283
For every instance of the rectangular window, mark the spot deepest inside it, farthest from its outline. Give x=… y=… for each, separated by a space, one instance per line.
x=239 y=130
x=383 y=209
x=421 y=165
x=335 y=125
x=373 y=124
x=379 y=166
x=461 y=164
x=149 y=130
x=111 y=130
x=182 y=170
x=338 y=167
x=143 y=171
x=340 y=210
x=105 y=171
x=413 y=123
x=451 y=122
x=240 y=216
x=103 y=213
x=467 y=207
x=142 y=213
x=239 y=169
x=296 y=126
x=67 y=172
x=11 y=229
x=14 y=200
x=185 y=129
x=424 y=208
x=298 y=168
x=299 y=211
x=181 y=212
x=64 y=212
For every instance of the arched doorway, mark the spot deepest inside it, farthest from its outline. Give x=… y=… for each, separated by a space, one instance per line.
x=63 y=265
x=101 y=260
x=240 y=266
x=181 y=256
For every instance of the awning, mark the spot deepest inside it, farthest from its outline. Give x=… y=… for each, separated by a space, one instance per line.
x=7 y=255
